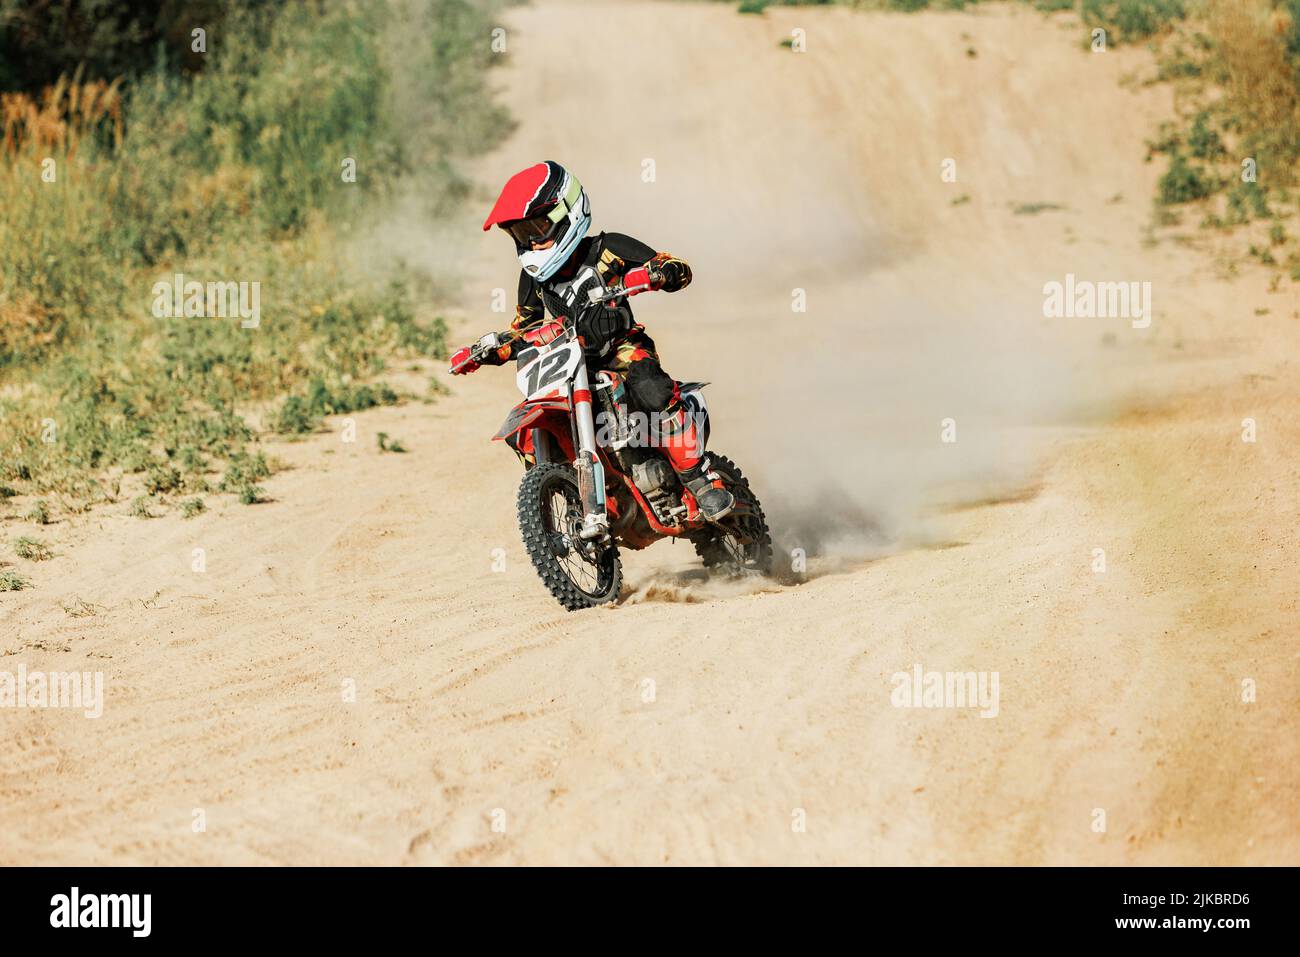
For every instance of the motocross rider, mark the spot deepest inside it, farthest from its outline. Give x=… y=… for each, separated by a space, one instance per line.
x=547 y=213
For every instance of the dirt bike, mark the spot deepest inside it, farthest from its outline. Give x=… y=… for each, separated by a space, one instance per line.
x=585 y=493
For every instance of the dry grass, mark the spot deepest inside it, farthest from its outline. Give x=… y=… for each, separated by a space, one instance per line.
x=229 y=174
x=60 y=118
x=1261 y=85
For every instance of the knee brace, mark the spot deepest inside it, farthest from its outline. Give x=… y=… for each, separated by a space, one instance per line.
x=649 y=387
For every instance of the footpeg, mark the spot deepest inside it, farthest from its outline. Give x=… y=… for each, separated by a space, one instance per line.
x=594 y=527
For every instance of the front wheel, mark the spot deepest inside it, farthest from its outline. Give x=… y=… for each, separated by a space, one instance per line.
x=740 y=543
x=579 y=574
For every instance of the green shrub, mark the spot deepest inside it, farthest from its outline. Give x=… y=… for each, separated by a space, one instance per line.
x=1247 y=201
x=1033 y=209
x=1203 y=142
x=251 y=494
x=244 y=470
x=11 y=581
x=1131 y=20
x=32 y=549
x=140 y=507
x=231 y=174
x=1183 y=183
x=162 y=478
x=386 y=446
x=300 y=414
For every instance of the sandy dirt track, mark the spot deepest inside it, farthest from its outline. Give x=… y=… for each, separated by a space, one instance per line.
x=475 y=691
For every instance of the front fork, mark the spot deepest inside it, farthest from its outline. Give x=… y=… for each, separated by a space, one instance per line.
x=591 y=473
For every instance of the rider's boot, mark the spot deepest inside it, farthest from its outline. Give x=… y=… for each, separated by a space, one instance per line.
x=711 y=495
x=683 y=445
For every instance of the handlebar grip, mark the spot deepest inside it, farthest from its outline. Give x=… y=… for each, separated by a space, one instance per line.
x=485 y=345
x=595 y=297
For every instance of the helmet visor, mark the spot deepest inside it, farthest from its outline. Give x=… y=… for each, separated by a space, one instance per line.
x=538 y=230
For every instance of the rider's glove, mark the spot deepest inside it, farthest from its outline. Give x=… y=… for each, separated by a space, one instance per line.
x=471 y=357
x=463 y=362
x=642 y=279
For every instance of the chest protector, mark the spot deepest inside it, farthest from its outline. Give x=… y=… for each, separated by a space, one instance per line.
x=601 y=327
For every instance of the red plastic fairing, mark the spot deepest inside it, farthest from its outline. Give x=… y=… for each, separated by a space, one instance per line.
x=526 y=413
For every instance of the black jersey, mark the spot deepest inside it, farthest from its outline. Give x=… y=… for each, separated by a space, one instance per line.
x=599 y=262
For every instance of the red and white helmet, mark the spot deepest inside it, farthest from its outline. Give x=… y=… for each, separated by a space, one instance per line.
x=542 y=203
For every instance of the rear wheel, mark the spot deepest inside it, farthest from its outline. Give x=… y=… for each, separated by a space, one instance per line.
x=579 y=574
x=741 y=543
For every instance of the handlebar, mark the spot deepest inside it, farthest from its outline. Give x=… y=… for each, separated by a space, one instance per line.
x=479 y=350
x=595 y=297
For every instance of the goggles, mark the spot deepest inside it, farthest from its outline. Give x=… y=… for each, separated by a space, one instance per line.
x=538 y=230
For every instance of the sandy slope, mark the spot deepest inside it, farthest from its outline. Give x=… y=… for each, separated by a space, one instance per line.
x=476 y=692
